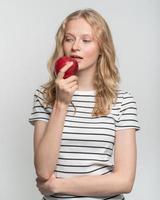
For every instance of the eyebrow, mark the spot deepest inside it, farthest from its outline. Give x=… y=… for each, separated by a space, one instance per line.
x=82 y=34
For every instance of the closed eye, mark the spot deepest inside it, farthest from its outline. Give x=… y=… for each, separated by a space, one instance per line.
x=86 y=40
x=68 y=39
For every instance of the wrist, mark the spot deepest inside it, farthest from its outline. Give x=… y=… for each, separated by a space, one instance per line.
x=60 y=186
x=60 y=105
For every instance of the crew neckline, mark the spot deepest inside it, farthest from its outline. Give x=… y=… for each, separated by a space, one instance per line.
x=85 y=92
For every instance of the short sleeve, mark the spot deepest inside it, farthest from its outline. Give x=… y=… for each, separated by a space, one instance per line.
x=128 y=113
x=39 y=111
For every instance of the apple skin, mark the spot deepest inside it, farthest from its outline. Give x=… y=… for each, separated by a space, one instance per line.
x=63 y=61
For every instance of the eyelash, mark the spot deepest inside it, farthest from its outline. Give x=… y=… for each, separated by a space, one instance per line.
x=86 y=40
x=69 y=40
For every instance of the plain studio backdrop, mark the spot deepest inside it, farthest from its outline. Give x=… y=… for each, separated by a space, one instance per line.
x=27 y=30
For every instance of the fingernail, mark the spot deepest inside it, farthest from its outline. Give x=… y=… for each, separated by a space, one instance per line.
x=70 y=62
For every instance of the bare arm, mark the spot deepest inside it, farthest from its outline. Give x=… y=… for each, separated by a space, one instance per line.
x=119 y=181
x=47 y=136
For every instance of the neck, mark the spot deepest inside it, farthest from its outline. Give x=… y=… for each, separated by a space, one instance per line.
x=85 y=80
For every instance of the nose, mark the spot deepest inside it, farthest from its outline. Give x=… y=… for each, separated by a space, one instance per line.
x=76 y=45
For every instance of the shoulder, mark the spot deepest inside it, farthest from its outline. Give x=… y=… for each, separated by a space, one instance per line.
x=39 y=91
x=123 y=93
x=127 y=109
x=39 y=110
x=39 y=94
x=125 y=101
x=125 y=96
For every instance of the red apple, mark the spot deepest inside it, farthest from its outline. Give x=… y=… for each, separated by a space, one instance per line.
x=62 y=61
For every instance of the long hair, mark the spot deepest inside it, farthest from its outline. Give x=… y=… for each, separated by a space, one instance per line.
x=106 y=80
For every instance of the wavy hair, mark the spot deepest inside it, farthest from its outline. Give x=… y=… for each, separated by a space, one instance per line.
x=106 y=80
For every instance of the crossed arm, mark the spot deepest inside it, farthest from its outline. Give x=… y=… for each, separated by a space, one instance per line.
x=120 y=180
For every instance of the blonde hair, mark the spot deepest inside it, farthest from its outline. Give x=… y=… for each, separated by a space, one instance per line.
x=106 y=78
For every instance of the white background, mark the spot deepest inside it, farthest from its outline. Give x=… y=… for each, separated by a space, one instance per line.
x=27 y=30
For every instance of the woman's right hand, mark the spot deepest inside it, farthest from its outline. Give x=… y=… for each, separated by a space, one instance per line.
x=65 y=88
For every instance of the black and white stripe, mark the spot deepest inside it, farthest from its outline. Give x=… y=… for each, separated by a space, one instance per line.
x=87 y=142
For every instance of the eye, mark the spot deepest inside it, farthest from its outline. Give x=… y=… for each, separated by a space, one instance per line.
x=68 y=39
x=85 y=40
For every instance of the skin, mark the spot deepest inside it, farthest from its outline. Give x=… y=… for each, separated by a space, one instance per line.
x=121 y=179
x=79 y=40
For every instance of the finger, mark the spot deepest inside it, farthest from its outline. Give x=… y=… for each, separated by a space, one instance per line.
x=64 y=69
x=71 y=78
x=73 y=83
x=42 y=192
x=74 y=88
x=37 y=179
x=41 y=189
x=38 y=185
x=39 y=182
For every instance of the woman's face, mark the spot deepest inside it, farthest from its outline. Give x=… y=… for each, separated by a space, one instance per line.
x=80 y=43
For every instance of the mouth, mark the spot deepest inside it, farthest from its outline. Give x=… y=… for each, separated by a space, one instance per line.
x=76 y=57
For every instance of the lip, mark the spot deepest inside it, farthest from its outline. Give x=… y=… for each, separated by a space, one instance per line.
x=76 y=57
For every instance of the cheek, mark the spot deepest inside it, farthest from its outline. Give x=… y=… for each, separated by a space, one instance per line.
x=92 y=52
x=66 y=48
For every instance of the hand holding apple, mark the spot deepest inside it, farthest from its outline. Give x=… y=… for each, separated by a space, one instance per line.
x=66 y=82
x=62 y=61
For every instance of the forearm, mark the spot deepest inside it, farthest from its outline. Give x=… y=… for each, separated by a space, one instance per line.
x=104 y=185
x=46 y=155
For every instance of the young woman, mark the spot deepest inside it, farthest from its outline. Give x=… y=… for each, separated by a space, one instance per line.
x=84 y=125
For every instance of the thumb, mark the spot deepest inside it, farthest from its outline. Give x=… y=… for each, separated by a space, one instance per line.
x=64 y=69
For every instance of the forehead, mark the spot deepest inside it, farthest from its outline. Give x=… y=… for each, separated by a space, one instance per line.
x=78 y=27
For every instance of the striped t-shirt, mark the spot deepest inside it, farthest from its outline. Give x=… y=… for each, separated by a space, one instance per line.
x=87 y=145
